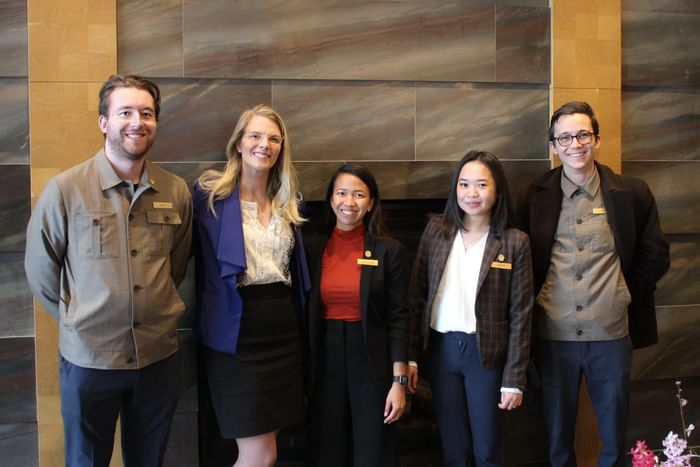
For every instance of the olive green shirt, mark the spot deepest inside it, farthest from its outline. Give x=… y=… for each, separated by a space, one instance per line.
x=584 y=296
x=105 y=257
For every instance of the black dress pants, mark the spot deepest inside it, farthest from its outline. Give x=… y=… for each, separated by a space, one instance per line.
x=347 y=406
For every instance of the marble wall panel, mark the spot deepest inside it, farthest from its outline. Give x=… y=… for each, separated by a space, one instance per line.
x=661 y=124
x=533 y=3
x=149 y=37
x=654 y=411
x=347 y=120
x=679 y=285
x=409 y=180
x=13 y=38
x=14 y=206
x=662 y=6
x=190 y=171
x=16 y=307
x=64 y=125
x=19 y=444
x=676 y=189
x=198 y=116
x=72 y=40
x=522 y=44
x=677 y=354
x=453 y=119
x=14 y=120
x=17 y=378
x=301 y=39
x=660 y=49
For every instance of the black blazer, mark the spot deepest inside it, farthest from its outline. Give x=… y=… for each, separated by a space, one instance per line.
x=383 y=301
x=634 y=222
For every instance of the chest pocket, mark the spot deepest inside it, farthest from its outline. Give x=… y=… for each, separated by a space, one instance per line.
x=603 y=240
x=162 y=224
x=96 y=234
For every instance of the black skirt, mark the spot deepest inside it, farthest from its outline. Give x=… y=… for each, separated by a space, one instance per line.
x=260 y=388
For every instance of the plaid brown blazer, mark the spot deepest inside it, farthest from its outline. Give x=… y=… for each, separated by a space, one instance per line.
x=503 y=304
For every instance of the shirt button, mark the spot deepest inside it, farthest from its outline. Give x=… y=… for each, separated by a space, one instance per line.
x=579 y=332
x=580 y=248
x=579 y=308
x=95 y=222
x=579 y=277
x=137 y=288
x=166 y=218
x=579 y=221
x=134 y=252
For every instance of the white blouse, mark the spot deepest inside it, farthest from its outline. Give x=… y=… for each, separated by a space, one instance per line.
x=267 y=250
x=454 y=306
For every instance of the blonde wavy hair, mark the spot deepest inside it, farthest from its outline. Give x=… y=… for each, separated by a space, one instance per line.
x=282 y=182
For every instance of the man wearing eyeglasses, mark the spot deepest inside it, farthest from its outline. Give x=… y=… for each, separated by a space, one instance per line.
x=598 y=252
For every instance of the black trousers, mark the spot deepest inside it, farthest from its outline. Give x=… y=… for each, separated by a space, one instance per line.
x=347 y=408
x=144 y=399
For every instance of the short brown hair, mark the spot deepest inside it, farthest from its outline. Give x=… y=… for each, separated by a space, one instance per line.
x=570 y=108
x=128 y=81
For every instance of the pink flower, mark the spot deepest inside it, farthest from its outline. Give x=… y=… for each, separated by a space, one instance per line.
x=675 y=447
x=642 y=456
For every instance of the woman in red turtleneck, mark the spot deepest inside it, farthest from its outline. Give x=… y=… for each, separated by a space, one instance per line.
x=358 y=329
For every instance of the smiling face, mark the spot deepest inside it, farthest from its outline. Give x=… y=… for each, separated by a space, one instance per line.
x=576 y=158
x=260 y=144
x=130 y=125
x=350 y=201
x=476 y=190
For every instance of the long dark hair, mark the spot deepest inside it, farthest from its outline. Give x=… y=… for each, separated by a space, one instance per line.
x=374 y=223
x=501 y=213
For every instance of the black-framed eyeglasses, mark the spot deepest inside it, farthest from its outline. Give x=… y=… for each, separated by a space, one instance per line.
x=583 y=137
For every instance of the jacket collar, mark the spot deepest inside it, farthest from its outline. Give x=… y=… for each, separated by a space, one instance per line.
x=230 y=249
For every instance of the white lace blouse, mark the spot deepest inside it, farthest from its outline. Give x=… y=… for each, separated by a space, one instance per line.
x=267 y=250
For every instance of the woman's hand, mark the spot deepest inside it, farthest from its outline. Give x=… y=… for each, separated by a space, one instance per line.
x=412 y=379
x=395 y=403
x=510 y=400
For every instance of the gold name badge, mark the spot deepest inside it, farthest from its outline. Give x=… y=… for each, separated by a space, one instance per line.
x=162 y=205
x=599 y=211
x=368 y=262
x=500 y=265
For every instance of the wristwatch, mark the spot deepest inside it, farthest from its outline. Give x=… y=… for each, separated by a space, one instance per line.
x=402 y=380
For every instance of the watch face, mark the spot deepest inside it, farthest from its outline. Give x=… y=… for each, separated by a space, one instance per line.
x=402 y=380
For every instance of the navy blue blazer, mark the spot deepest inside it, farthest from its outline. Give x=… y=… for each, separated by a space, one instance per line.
x=219 y=258
x=634 y=222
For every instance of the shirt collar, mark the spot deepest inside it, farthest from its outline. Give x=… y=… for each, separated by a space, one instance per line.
x=569 y=188
x=110 y=179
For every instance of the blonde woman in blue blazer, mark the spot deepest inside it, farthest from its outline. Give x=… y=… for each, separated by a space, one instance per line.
x=251 y=278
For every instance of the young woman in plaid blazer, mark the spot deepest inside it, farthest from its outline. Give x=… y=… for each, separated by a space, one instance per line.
x=471 y=301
